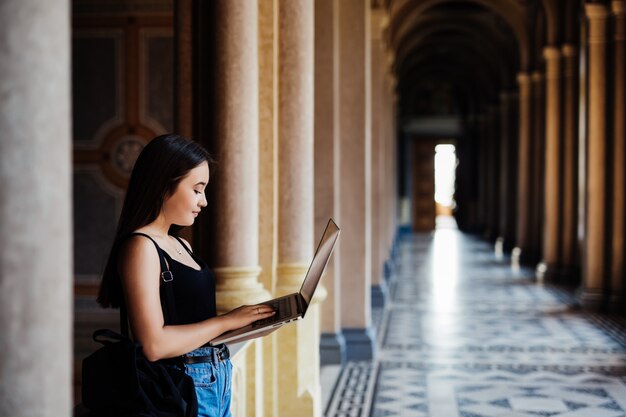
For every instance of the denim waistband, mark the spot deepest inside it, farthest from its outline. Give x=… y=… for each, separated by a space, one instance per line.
x=207 y=354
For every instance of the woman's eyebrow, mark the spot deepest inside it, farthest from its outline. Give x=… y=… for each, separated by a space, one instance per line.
x=201 y=183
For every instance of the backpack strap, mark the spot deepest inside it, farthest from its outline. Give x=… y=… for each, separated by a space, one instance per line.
x=164 y=266
x=167 y=290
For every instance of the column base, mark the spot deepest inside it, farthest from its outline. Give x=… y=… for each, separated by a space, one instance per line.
x=379 y=294
x=498 y=247
x=521 y=257
x=360 y=344
x=388 y=270
x=332 y=349
x=516 y=257
x=501 y=247
x=546 y=272
x=592 y=299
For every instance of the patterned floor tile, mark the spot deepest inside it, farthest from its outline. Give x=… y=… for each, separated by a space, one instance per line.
x=465 y=335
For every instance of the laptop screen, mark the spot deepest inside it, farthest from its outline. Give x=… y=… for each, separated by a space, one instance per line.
x=320 y=259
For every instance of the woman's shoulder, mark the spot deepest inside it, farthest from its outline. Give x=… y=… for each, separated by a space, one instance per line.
x=138 y=243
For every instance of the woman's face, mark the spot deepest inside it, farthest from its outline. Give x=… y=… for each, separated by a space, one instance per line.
x=184 y=205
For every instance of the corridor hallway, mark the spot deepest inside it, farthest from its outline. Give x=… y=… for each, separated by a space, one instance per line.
x=464 y=335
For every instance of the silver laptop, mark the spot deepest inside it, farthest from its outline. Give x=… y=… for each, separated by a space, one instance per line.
x=293 y=306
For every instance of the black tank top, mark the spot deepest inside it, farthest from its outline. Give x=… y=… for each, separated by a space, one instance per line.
x=194 y=290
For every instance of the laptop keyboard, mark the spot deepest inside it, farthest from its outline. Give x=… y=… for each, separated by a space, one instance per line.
x=282 y=308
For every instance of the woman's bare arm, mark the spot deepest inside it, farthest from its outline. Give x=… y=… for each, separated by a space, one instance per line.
x=140 y=271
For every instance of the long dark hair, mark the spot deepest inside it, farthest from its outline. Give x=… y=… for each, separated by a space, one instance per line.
x=161 y=165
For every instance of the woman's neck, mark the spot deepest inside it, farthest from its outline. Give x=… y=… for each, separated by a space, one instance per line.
x=159 y=227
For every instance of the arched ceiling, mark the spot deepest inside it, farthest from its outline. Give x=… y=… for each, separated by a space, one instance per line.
x=454 y=58
x=404 y=14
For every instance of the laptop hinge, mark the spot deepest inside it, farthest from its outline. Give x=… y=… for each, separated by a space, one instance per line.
x=302 y=304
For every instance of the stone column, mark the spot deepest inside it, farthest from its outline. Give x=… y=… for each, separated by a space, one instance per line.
x=493 y=178
x=327 y=160
x=379 y=287
x=268 y=194
x=508 y=163
x=617 y=297
x=391 y=169
x=36 y=265
x=480 y=122
x=390 y=185
x=355 y=177
x=236 y=182
x=595 y=268
x=548 y=269
x=298 y=345
x=504 y=174
x=537 y=164
x=523 y=171
x=570 y=261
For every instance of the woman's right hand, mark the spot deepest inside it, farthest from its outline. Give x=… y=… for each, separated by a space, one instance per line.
x=244 y=315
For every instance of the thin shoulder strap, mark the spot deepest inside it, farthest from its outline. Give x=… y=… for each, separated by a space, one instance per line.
x=184 y=245
x=164 y=265
x=169 y=310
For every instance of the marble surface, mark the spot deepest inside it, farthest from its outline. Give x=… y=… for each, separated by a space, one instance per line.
x=465 y=335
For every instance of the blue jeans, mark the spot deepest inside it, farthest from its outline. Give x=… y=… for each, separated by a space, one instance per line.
x=213 y=383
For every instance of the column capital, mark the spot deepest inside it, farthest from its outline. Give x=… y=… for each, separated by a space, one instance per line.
x=570 y=63
x=523 y=78
x=377 y=17
x=618 y=7
x=537 y=76
x=552 y=55
x=569 y=50
x=619 y=28
x=551 y=52
x=320 y=294
x=598 y=16
x=384 y=22
x=289 y=277
x=238 y=285
x=596 y=11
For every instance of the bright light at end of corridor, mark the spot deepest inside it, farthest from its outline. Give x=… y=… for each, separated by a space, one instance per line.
x=445 y=269
x=445 y=166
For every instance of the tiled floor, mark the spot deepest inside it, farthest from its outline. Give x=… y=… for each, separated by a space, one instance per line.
x=464 y=335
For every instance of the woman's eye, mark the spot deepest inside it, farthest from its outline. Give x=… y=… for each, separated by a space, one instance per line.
x=198 y=192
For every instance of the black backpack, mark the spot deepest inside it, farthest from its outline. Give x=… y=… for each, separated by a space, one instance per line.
x=119 y=381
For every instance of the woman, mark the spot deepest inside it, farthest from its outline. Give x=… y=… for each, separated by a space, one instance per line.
x=166 y=193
